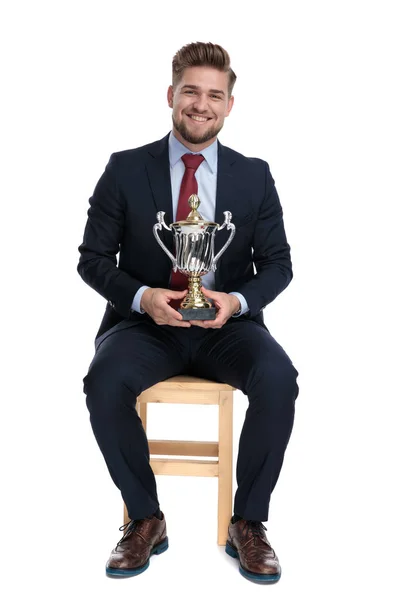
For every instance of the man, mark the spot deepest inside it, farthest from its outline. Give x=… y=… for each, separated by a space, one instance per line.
x=142 y=338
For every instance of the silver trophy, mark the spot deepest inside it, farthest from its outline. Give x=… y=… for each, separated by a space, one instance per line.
x=194 y=255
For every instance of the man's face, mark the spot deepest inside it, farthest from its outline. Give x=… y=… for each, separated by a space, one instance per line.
x=199 y=105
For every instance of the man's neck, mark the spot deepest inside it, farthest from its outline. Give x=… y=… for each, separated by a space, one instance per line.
x=192 y=147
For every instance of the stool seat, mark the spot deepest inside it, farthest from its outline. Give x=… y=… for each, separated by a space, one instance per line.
x=185 y=389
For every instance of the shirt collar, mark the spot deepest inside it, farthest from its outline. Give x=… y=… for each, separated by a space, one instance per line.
x=177 y=150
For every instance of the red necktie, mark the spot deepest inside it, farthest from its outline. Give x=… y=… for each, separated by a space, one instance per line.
x=188 y=187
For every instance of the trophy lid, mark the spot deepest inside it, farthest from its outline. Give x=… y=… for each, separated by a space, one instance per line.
x=194 y=217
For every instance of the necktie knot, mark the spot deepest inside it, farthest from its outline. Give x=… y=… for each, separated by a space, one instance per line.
x=192 y=161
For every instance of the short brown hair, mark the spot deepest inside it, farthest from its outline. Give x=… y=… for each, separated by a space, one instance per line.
x=200 y=54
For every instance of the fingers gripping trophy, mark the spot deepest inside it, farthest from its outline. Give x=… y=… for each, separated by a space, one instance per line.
x=194 y=256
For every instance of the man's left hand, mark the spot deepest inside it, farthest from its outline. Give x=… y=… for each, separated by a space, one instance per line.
x=226 y=305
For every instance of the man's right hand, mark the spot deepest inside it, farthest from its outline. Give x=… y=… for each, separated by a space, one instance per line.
x=155 y=302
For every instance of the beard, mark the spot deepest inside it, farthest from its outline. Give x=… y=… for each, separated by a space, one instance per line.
x=193 y=138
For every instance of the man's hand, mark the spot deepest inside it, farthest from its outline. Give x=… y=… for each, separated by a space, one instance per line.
x=155 y=301
x=227 y=305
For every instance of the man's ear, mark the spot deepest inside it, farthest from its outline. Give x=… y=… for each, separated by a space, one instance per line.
x=170 y=96
x=230 y=105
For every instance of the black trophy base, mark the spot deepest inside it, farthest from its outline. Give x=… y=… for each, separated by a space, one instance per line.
x=197 y=314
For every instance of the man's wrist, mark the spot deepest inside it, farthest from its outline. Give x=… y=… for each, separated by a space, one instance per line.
x=143 y=301
x=136 y=303
x=237 y=307
x=243 y=306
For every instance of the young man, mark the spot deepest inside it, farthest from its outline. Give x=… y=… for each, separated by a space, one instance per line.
x=142 y=338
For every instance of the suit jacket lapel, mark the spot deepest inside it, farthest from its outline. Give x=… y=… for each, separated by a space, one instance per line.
x=158 y=172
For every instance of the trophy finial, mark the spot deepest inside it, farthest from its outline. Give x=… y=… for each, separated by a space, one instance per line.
x=194 y=203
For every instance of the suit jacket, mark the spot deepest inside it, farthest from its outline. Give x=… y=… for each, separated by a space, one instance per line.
x=136 y=185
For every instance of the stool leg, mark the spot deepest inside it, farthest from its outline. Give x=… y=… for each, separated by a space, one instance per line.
x=141 y=408
x=126 y=516
x=225 y=464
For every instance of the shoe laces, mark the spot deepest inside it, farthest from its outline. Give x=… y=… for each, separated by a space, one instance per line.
x=127 y=528
x=256 y=528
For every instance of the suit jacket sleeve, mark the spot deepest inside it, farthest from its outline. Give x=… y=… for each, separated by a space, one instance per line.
x=271 y=253
x=101 y=243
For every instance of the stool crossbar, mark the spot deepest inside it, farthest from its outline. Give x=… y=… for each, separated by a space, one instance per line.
x=184 y=389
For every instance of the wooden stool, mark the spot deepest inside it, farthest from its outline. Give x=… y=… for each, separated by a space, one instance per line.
x=184 y=389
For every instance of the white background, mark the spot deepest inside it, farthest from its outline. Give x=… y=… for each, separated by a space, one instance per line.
x=317 y=97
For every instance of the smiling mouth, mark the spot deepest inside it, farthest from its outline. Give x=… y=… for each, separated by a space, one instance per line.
x=198 y=118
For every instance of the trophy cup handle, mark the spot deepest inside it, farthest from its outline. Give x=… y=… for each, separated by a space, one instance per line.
x=229 y=225
x=156 y=228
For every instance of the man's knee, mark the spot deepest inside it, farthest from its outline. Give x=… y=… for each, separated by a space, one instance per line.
x=108 y=385
x=275 y=376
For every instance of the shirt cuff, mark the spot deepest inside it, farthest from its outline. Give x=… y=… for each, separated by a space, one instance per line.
x=244 y=308
x=137 y=299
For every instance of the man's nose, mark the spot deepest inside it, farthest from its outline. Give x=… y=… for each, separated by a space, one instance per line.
x=201 y=103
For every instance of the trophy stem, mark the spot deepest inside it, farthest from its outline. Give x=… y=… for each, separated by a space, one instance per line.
x=195 y=297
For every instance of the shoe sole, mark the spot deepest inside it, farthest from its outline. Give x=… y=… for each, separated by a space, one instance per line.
x=158 y=549
x=256 y=577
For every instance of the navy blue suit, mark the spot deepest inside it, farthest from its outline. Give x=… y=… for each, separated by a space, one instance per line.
x=133 y=353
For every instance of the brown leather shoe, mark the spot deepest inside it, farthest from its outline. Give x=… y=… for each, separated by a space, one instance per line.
x=141 y=539
x=248 y=542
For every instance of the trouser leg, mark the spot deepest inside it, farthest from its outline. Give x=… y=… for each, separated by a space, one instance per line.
x=126 y=363
x=246 y=356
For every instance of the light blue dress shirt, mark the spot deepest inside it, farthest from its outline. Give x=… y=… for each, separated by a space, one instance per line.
x=206 y=176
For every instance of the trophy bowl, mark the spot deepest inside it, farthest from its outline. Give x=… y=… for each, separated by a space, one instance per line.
x=194 y=256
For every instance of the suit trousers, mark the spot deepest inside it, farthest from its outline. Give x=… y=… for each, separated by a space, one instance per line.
x=242 y=353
